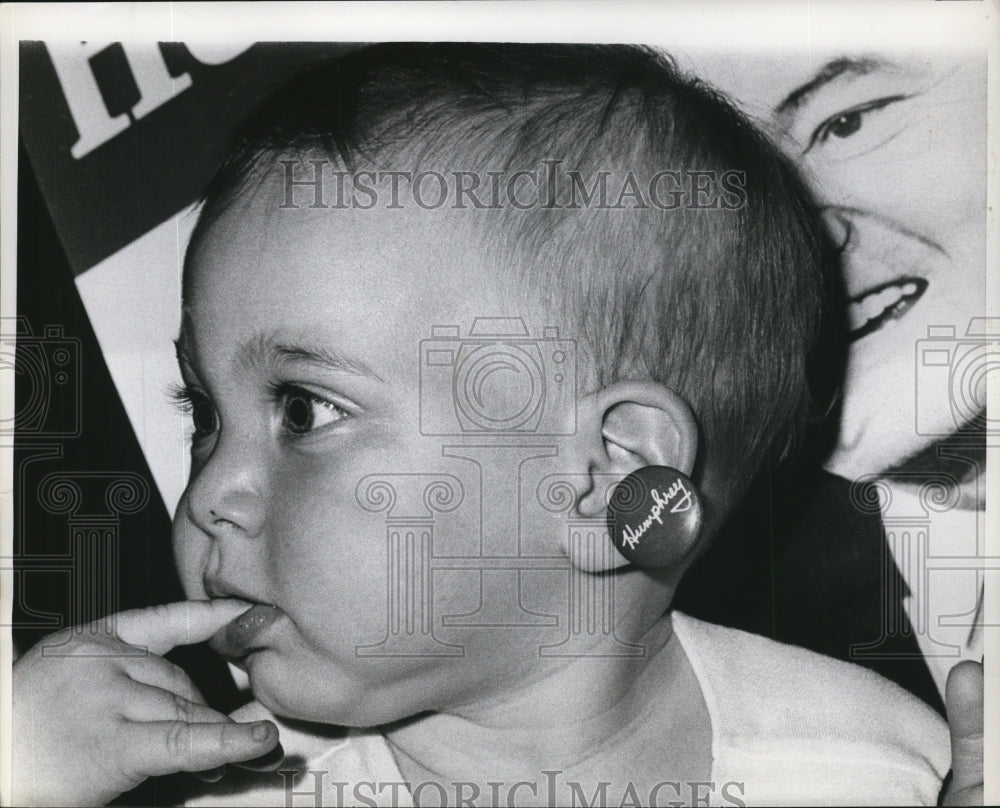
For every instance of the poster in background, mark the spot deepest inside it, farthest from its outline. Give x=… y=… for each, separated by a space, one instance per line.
x=116 y=136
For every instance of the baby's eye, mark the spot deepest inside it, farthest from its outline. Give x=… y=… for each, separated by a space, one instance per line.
x=303 y=411
x=201 y=410
x=203 y=417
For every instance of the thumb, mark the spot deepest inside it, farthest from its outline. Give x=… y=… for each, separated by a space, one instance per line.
x=964 y=703
x=161 y=628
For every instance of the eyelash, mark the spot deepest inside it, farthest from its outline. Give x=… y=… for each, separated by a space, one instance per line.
x=188 y=400
x=283 y=392
x=822 y=131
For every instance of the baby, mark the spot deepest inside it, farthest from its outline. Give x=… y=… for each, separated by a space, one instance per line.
x=441 y=300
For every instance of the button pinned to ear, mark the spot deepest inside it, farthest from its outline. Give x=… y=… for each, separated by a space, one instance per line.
x=654 y=516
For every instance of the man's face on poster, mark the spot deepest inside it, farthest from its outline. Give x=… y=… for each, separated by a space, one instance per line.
x=895 y=149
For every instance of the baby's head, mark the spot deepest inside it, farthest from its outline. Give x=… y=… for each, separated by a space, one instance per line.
x=395 y=337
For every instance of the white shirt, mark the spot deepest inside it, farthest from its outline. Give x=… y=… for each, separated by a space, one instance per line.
x=788 y=727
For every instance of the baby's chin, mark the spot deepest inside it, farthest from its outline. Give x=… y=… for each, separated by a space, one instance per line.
x=290 y=692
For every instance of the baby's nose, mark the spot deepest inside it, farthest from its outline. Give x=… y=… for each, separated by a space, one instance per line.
x=229 y=513
x=224 y=496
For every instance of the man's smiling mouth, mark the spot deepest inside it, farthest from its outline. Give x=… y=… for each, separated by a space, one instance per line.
x=876 y=306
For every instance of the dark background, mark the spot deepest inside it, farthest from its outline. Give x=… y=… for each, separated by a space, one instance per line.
x=70 y=425
x=74 y=213
x=43 y=593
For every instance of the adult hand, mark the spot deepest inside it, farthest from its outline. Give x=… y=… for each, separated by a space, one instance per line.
x=964 y=703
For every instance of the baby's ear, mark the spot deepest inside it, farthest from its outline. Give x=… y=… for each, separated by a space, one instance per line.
x=631 y=425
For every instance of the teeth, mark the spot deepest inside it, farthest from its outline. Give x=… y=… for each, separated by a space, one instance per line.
x=874 y=305
x=889 y=297
x=856 y=316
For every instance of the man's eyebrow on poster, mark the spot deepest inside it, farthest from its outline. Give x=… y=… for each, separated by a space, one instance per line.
x=796 y=115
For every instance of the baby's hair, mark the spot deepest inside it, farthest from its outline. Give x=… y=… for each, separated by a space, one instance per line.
x=728 y=307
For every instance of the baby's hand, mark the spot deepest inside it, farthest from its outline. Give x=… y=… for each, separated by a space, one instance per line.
x=90 y=724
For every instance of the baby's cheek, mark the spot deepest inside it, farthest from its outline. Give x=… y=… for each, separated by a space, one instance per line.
x=329 y=571
x=327 y=540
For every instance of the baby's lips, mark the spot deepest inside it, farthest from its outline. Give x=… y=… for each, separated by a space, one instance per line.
x=221 y=645
x=236 y=605
x=229 y=609
x=237 y=637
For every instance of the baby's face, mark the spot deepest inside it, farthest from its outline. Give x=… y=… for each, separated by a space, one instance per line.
x=300 y=347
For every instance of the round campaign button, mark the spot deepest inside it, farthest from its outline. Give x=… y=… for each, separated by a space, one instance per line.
x=654 y=516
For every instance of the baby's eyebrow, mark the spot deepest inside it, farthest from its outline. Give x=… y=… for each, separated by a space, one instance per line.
x=268 y=350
